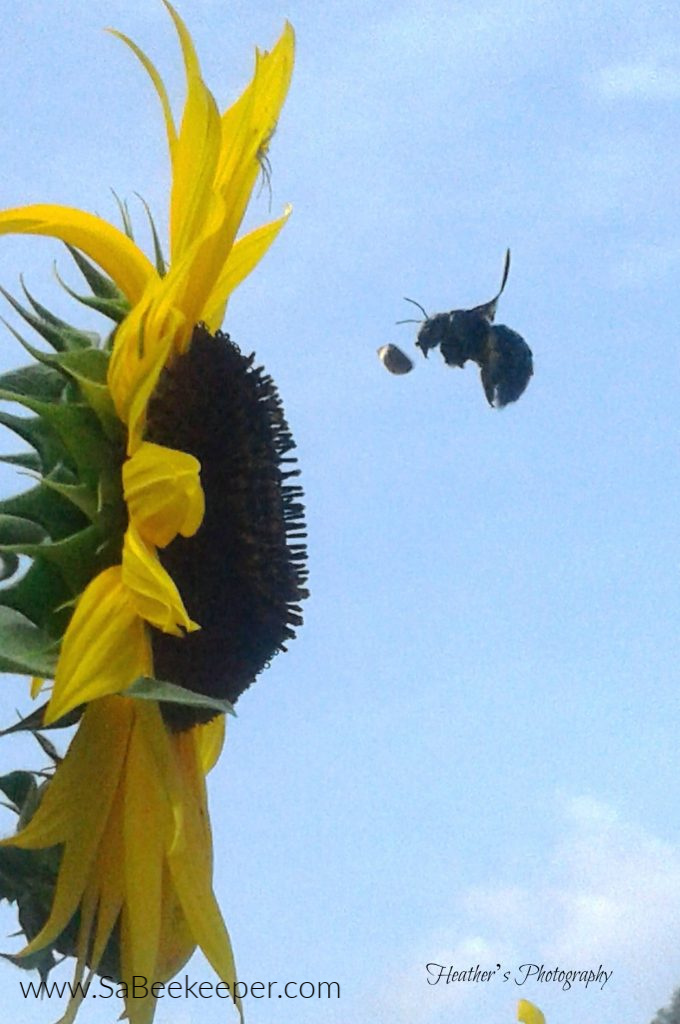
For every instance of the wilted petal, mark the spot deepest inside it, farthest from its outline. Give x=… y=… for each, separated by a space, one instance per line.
x=163 y=493
x=150 y=591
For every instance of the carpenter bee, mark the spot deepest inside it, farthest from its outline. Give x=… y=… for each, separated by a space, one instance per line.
x=503 y=356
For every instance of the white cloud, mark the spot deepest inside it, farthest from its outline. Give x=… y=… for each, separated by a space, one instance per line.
x=606 y=892
x=656 y=76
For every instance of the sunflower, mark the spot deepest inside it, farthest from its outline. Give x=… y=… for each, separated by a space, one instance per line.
x=166 y=552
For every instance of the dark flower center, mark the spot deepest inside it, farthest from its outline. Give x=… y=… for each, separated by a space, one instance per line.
x=242 y=575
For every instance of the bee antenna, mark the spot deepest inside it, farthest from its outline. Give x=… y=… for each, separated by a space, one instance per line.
x=413 y=302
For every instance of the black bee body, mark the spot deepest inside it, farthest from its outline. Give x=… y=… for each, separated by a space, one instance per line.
x=503 y=356
x=507 y=366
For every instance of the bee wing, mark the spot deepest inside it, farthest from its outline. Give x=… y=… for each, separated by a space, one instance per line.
x=488 y=309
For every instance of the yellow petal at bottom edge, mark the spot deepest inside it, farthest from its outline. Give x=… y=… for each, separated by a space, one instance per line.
x=527 y=1013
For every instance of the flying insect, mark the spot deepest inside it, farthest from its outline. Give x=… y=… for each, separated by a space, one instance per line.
x=503 y=356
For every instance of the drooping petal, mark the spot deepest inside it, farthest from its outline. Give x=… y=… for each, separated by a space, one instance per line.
x=146 y=824
x=149 y=589
x=75 y=814
x=110 y=248
x=190 y=863
x=105 y=647
x=163 y=493
x=176 y=943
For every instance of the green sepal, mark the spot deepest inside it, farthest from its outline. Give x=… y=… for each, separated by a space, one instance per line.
x=25 y=460
x=33 y=723
x=77 y=428
x=113 y=309
x=43 y=962
x=102 y=286
x=147 y=688
x=61 y=339
x=18 y=787
x=42 y=597
x=36 y=381
x=83 y=497
x=159 y=258
x=124 y=216
x=15 y=532
x=36 y=433
x=90 y=338
x=43 y=504
x=78 y=558
x=24 y=648
x=9 y=564
x=89 y=369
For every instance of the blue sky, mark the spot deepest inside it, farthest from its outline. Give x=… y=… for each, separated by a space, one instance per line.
x=470 y=753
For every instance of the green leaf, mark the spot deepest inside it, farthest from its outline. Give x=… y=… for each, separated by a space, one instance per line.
x=147 y=688
x=24 y=648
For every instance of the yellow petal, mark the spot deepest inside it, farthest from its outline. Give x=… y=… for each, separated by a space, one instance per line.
x=244 y=257
x=74 y=812
x=147 y=821
x=150 y=590
x=36 y=686
x=247 y=126
x=195 y=156
x=112 y=250
x=158 y=85
x=163 y=493
x=176 y=941
x=106 y=877
x=191 y=868
x=144 y=342
x=105 y=647
x=528 y=1013
x=209 y=739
